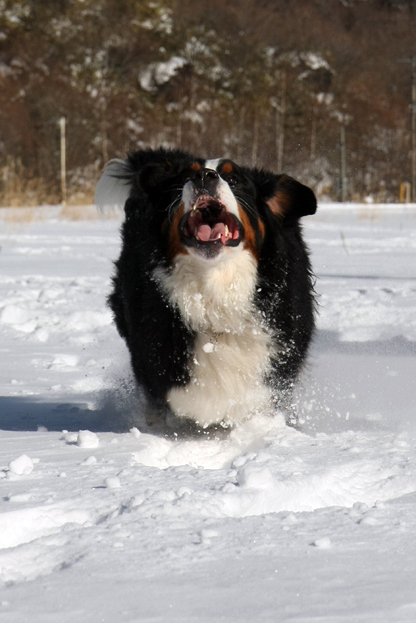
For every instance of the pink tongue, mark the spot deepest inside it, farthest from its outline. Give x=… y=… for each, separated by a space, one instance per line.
x=205 y=233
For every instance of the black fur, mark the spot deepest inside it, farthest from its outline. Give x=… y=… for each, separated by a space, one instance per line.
x=160 y=344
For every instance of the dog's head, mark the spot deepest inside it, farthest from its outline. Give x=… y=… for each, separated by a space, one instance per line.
x=212 y=207
x=211 y=217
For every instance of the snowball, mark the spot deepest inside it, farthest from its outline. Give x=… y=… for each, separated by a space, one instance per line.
x=290 y=519
x=112 y=482
x=323 y=543
x=60 y=362
x=208 y=347
x=88 y=320
x=87 y=439
x=20 y=498
x=255 y=476
x=91 y=460
x=23 y=465
x=206 y=535
x=41 y=335
x=71 y=438
x=184 y=491
x=369 y=520
x=229 y=487
x=13 y=315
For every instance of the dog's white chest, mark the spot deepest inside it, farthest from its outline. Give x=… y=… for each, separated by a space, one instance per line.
x=232 y=347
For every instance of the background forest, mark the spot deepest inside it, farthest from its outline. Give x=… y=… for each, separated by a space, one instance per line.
x=268 y=83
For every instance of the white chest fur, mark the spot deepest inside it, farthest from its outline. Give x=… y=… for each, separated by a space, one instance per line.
x=232 y=347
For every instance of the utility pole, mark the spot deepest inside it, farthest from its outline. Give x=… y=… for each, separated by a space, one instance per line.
x=62 y=126
x=280 y=113
x=255 y=140
x=313 y=134
x=343 y=165
x=282 y=123
x=413 y=112
x=412 y=62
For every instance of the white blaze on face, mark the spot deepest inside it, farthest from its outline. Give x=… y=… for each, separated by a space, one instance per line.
x=212 y=164
x=224 y=193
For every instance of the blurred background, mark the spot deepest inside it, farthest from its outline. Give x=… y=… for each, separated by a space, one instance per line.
x=322 y=89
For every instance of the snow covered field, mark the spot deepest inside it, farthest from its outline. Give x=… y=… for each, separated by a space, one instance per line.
x=103 y=520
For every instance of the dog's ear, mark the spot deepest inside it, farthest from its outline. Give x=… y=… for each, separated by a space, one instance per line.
x=156 y=167
x=153 y=175
x=287 y=198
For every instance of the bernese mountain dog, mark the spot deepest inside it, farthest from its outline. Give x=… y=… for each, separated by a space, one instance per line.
x=213 y=289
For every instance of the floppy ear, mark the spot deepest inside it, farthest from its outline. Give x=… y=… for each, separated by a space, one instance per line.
x=114 y=186
x=287 y=198
x=155 y=167
x=152 y=175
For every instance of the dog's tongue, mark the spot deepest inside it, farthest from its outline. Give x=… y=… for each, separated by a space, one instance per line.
x=205 y=233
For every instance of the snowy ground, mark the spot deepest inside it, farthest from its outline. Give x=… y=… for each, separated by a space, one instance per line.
x=263 y=524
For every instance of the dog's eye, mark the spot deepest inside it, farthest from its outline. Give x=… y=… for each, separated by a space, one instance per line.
x=231 y=180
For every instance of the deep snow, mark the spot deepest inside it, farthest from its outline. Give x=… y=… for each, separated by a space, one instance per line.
x=102 y=519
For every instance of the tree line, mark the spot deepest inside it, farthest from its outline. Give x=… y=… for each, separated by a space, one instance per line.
x=269 y=83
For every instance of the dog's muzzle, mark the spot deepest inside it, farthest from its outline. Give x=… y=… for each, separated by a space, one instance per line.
x=208 y=225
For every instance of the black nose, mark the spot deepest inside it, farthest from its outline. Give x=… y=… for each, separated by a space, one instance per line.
x=205 y=180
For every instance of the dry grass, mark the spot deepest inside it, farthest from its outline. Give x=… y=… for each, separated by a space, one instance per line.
x=12 y=217
x=20 y=188
x=25 y=199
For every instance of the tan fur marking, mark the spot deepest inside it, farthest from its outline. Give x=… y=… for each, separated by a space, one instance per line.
x=249 y=233
x=279 y=204
x=227 y=168
x=175 y=246
x=262 y=229
x=195 y=166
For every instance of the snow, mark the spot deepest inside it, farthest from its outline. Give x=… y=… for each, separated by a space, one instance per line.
x=105 y=519
x=157 y=74
x=22 y=465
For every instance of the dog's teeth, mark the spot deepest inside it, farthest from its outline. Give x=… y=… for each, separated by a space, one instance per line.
x=226 y=231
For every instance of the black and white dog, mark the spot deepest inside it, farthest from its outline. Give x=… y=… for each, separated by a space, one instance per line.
x=213 y=289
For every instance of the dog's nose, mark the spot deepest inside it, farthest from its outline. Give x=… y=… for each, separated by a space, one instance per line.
x=205 y=180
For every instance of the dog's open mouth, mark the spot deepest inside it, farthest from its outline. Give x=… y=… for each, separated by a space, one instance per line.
x=209 y=223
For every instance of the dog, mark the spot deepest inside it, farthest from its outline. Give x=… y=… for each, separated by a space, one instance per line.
x=213 y=289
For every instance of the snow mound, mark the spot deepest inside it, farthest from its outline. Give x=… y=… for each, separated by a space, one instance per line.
x=25 y=525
